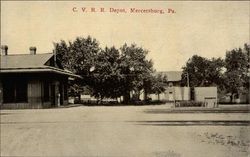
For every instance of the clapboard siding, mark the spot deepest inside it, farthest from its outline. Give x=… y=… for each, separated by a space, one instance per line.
x=36 y=98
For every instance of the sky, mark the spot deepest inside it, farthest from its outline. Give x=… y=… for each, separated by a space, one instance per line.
x=207 y=29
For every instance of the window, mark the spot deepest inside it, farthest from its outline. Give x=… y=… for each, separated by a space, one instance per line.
x=21 y=91
x=8 y=92
x=14 y=91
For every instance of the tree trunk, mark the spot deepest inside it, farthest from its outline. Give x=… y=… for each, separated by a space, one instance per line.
x=101 y=99
x=126 y=97
x=145 y=95
x=79 y=98
x=231 y=98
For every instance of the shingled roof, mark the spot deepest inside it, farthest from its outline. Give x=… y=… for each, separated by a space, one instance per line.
x=27 y=63
x=172 y=76
x=24 y=61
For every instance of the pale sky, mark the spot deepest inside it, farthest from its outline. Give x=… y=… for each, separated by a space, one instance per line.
x=204 y=28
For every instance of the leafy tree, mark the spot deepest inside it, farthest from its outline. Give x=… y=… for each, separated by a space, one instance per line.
x=236 y=75
x=78 y=56
x=136 y=69
x=110 y=73
x=247 y=76
x=107 y=76
x=216 y=72
x=63 y=54
x=159 y=84
x=117 y=73
x=203 y=72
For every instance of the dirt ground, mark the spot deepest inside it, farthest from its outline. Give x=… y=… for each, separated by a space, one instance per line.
x=123 y=131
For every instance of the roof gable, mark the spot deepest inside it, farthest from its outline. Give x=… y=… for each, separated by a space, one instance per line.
x=53 y=63
x=172 y=75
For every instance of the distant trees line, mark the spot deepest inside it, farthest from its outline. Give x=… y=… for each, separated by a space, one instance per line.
x=113 y=72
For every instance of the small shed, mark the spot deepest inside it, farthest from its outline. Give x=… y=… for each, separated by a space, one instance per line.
x=208 y=95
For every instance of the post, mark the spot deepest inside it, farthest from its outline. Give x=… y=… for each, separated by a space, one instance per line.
x=187 y=79
x=58 y=99
x=1 y=93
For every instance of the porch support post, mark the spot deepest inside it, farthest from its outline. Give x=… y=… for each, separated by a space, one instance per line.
x=1 y=93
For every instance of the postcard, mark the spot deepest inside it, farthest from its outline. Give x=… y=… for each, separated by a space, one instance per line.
x=125 y=78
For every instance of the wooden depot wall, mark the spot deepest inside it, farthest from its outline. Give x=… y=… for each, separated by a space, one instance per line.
x=35 y=91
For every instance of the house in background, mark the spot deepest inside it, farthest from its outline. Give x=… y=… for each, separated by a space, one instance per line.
x=32 y=80
x=174 y=91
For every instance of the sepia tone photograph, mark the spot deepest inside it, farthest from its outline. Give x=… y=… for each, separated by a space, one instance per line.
x=125 y=79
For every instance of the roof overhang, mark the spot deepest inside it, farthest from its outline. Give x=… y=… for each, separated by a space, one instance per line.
x=45 y=69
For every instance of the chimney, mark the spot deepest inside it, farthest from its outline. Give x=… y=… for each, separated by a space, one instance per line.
x=32 y=50
x=4 y=50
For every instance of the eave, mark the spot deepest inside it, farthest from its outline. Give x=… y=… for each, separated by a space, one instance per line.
x=44 y=69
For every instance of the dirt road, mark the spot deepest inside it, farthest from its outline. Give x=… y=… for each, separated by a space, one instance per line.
x=123 y=131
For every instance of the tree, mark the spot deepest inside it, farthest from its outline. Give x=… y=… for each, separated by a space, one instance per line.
x=63 y=54
x=136 y=69
x=110 y=73
x=247 y=76
x=78 y=56
x=159 y=84
x=107 y=80
x=203 y=72
x=236 y=75
x=216 y=72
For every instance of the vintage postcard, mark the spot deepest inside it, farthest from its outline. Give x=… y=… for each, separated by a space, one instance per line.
x=125 y=78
